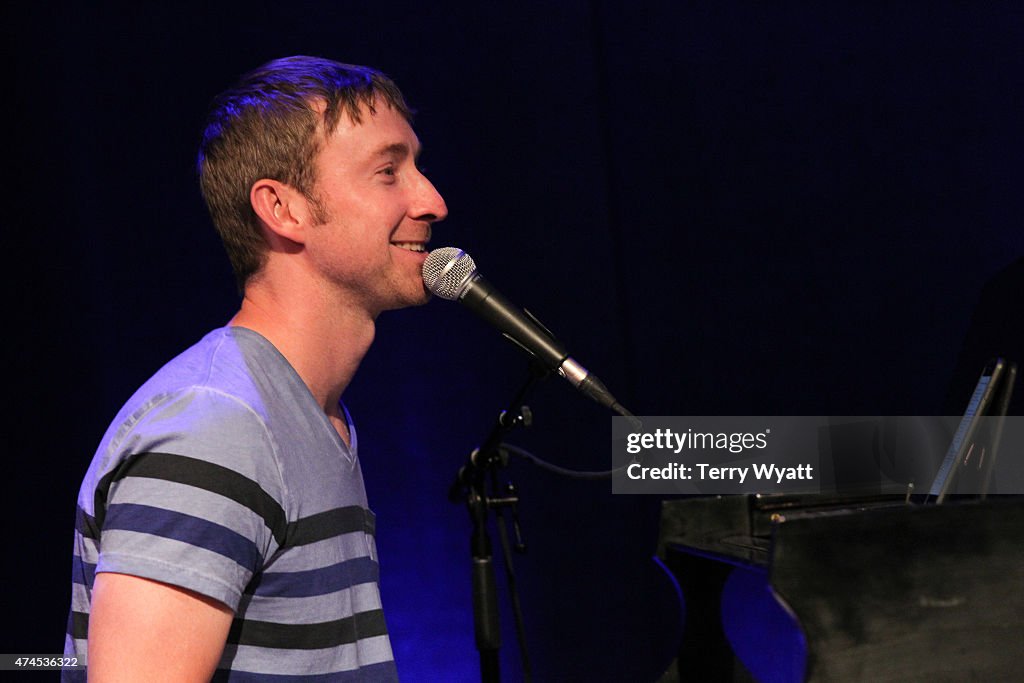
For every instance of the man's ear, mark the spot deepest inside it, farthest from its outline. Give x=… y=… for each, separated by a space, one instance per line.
x=283 y=209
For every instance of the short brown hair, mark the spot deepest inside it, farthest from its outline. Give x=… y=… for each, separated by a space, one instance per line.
x=266 y=126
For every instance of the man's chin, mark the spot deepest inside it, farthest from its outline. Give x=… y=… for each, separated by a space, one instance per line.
x=411 y=300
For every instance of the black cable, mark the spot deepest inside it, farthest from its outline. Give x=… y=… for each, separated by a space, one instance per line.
x=556 y=469
x=513 y=592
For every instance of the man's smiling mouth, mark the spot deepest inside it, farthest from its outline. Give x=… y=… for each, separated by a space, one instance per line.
x=410 y=246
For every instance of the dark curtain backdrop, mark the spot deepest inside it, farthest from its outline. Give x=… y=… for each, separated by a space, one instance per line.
x=721 y=208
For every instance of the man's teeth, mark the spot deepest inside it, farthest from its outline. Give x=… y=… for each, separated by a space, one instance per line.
x=411 y=246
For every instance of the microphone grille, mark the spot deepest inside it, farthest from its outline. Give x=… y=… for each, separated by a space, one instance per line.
x=446 y=272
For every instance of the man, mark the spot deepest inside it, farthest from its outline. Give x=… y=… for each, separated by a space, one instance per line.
x=223 y=529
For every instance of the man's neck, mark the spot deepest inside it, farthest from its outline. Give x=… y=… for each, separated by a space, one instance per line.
x=324 y=343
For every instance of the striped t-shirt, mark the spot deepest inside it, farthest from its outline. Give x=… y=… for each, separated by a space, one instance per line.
x=223 y=476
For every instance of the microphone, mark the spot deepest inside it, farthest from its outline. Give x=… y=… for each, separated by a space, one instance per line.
x=450 y=273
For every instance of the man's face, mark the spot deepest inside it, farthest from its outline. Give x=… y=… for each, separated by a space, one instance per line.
x=377 y=209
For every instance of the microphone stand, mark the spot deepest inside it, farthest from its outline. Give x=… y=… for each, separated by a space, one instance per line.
x=471 y=482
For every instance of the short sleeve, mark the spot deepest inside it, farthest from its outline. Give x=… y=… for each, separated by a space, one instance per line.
x=193 y=496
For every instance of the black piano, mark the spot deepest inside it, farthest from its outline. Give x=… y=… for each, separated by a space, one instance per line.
x=846 y=588
x=864 y=583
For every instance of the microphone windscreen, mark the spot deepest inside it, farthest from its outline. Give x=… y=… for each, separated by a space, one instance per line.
x=446 y=272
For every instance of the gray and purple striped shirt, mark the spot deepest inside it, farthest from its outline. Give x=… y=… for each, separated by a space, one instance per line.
x=223 y=476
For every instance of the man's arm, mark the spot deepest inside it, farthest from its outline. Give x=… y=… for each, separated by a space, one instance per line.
x=143 y=630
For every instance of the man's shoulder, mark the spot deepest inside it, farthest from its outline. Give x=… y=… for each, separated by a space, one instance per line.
x=225 y=359
x=206 y=403
x=227 y=372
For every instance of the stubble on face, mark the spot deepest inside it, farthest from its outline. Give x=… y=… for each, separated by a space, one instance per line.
x=366 y=207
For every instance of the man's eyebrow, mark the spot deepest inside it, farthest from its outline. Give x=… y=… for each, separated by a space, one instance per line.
x=396 y=149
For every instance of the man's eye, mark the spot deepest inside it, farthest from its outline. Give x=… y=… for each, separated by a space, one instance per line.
x=389 y=170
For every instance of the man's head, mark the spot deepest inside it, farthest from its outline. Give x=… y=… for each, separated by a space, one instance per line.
x=272 y=124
